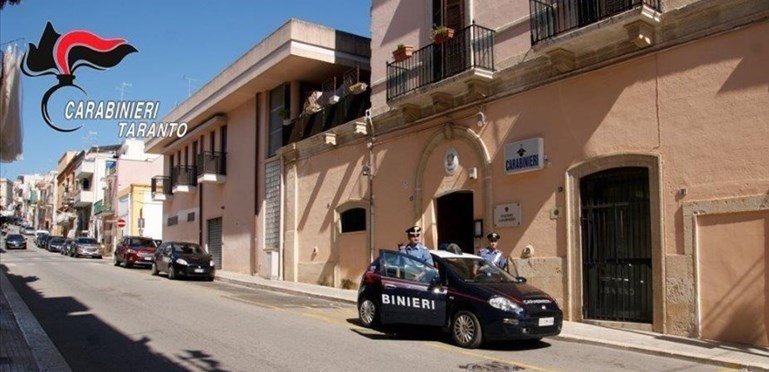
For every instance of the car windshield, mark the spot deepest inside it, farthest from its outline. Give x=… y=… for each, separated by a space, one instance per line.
x=14 y=237
x=141 y=242
x=188 y=249
x=55 y=240
x=86 y=241
x=478 y=270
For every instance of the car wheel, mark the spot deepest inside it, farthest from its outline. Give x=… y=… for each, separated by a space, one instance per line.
x=154 y=269
x=210 y=278
x=126 y=264
x=466 y=330
x=115 y=261
x=171 y=272
x=368 y=313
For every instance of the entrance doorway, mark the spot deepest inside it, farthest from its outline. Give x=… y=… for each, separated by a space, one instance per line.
x=455 y=220
x=616 y=245
x=215 y=240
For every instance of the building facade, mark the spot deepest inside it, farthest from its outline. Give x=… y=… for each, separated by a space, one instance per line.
x=617 y=147
x=222 y=181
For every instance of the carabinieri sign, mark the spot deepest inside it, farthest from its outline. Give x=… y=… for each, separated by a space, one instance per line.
x=524 y=156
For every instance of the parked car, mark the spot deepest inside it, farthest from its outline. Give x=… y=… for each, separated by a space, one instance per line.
x=134 y=250
x=55 y=243
x=464 y=294
x=41 y=239
x=182 y=259
x=87 y=247
x=15 y=241
x=27 y=230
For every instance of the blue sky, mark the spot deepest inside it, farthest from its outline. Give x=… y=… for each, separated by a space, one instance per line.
x=181 y=44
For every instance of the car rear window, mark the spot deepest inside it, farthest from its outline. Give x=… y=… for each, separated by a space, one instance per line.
x=86 y=241
x=140 y=242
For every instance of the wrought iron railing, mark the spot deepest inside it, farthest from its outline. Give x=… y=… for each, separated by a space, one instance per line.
x=550 y=18
x=471 y=47
x=212 y=162
x=160 y=185
x=349 y=107
x=183 y=175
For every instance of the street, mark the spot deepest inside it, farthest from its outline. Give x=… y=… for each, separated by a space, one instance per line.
x=102 y=317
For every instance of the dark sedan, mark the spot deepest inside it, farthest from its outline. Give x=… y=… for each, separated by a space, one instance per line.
x=55 y=243
x=464 y=294
x=181 y=259
x=15 y=241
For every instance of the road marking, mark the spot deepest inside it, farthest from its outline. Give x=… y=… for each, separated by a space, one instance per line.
x=252 y=302
x=487 y=357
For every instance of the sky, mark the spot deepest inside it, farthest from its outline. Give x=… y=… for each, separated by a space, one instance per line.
x=181 y=46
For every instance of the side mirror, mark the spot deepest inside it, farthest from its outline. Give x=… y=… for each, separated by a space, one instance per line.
x=434 y=283
x=520 y=279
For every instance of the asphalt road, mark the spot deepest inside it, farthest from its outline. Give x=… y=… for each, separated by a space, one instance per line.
x=106 y=318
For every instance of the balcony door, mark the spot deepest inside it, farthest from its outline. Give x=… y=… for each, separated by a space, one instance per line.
x=450 y=57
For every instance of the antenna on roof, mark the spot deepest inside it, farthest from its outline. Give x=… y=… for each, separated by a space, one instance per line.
x=189 y=84
x=122 y=88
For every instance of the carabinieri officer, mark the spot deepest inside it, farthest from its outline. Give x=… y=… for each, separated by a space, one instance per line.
x=492 y=254
x=414 y=248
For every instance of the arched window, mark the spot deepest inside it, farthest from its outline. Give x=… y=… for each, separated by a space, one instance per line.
x=353 y=219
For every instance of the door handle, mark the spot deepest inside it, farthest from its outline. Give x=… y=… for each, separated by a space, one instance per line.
x=390 y=286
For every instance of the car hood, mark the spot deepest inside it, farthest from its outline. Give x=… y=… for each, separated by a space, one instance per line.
x=89 y=245
x=518 y=291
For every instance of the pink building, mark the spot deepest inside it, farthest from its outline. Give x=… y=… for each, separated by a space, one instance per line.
x=618 y=147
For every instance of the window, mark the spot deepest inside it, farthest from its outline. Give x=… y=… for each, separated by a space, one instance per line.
x=279 y=100
x=400 y=266
x=353 y=220
x=173 y=220
x=190 y=216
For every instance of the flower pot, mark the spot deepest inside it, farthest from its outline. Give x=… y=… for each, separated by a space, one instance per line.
x=444 y=36
x=358 y=88
x=403 y=53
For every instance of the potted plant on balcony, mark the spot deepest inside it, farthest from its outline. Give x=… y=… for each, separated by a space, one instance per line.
x=285 y=114
x=358 y=87
x=403 y=52
x=442 y=34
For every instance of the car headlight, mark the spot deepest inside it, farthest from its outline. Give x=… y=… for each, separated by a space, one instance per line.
x=181 y=261
x=211 y=263
x=505 y=304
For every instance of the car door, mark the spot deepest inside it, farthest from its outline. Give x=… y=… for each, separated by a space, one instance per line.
x=409 y=293
x=165 y=257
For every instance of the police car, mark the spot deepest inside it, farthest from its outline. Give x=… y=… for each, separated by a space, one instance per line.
x=464 y=294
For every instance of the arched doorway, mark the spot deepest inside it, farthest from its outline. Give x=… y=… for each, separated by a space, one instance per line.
x=455 y=219
x=617 y=245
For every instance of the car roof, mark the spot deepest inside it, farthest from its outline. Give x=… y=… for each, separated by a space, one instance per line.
x=447 y=254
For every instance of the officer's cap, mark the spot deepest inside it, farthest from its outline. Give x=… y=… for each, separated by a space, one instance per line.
x=493 y=237
x=414 y=231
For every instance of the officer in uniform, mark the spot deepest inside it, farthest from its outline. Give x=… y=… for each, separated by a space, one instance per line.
x=414 y=248
x=492 y=254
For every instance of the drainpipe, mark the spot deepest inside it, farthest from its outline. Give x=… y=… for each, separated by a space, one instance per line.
x=370 y=174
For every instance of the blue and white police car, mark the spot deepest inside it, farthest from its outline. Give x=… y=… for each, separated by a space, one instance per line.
x=462 y=293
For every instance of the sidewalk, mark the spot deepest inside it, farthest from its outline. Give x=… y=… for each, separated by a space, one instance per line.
x=733 y=356
x=24 y=345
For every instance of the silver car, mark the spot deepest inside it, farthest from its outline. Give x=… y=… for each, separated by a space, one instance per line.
x=86 y=247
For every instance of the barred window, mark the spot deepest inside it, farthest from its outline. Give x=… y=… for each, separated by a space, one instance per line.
x=190 y=216
x=173 y=220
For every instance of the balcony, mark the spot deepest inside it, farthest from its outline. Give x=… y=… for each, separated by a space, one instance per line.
x=450 y=67
x=84 y=198
x=85 y=169
x=559 y=23
x=183 y=179
x=348 y=108
x=211 y=167
x=160 y=187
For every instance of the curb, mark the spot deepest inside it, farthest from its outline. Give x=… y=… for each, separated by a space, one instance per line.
x=283 y=289
x=45 y=353
x=659 y=352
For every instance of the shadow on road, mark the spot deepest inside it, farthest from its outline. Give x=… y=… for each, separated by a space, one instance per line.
x=419 y=333
x=89 y=344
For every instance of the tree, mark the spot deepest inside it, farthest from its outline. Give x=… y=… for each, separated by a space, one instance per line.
x=12 y=2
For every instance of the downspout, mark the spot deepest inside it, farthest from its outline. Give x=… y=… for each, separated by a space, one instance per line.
x=370 y=174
